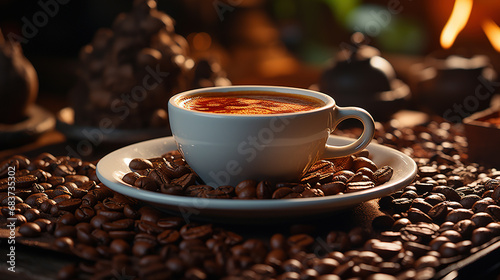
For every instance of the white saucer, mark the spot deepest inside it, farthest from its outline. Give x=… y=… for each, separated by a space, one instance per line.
x=113 y=166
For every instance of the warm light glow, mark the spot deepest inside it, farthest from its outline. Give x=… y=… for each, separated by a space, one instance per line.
x=458 y=20
x=202 y=41
x=492 y=30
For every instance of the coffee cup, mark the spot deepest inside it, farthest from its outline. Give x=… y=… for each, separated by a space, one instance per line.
x=225 y=145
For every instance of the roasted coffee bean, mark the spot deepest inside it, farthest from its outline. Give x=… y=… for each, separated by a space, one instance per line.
x=63 y=170
x=384 y=222
x=79 y=180
x=67 y=272
x=98 y=220
x=416 y=216
x=36 y=199
x=481 y=235
x=85 y=252
x=496 y=194
x=168 y=236
x=149 y=214
x=60 y=190
x=401 y=204
x=246 y=189
x=423 y=187
x=84 y=214
x=464 y=247
x=427 y=261
x=333 y=188
x=361 y=162
x=67 y=219
x=311 y=178
x=281 y=192
x=119 y=246
x=481 y=205
x=122 y=234
x=448 y=250
x=465 y=228
x=101 y=236
x=469 y=200
x=146 y=183
x=312 y=193
x=21 y=182
x=339 y=164
x=62 y=198
x=437 y=242
x=435 y=198
x=421 y=204
x=171 y=189
x=42 y=223
x=456 y=215
x=65 y=231
x=113 y=204
x=359 y=177
x=111 y=215
x=278 y=241
x=325 y=266
x=30 y=229
x=56 y=180
x=303 y=241
x=494 y=227
x=446 y=226
x=416 y=249
x=453 y=235
x=89 y=200
x=418 y=233
x=123 y=224
x=276 y=257
x=400 y=223
x=130 y=212
x=193 y=231
x=494 y=212
x=386 y=250
x=31 y=214
x=36 y=188
x=185 y=180
x=198 y=190
x=359 y=186
x=368 y=173
x=492 y=184
x=479 y=219
x=16 y=200
x=439 y=212
x=383 y=174
x=140 y=164
x=448 y=192
x=130 y=178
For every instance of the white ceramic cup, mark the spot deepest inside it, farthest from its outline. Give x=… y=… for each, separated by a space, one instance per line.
x=225 y=149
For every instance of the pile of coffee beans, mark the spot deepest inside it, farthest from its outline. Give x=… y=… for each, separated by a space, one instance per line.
x=170 y=174
x=450 y=212
x=128 y=72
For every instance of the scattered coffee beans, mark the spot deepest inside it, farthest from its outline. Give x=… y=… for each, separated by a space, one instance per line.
x=170 y=174
x=448 y=213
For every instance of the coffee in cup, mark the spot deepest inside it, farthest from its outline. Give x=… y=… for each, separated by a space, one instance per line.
x=251 y=103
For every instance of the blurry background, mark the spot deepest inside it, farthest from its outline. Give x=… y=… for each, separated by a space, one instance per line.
x=279 y=42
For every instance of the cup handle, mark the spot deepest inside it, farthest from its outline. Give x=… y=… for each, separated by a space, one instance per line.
x=343 y=113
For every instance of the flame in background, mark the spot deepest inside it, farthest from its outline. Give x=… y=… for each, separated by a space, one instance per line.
x=492 y=30
x=457 y=21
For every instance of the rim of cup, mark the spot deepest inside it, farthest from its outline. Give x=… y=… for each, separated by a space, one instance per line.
x=329 y=101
